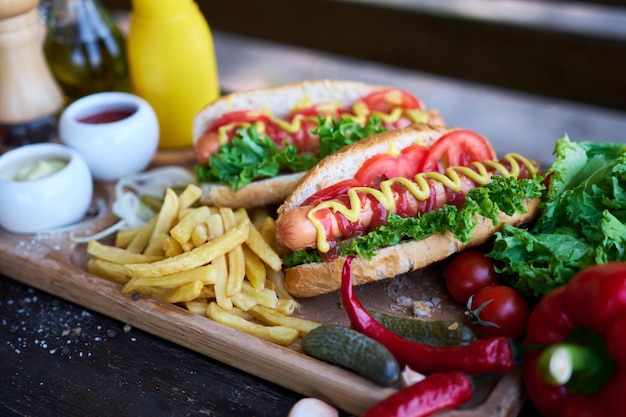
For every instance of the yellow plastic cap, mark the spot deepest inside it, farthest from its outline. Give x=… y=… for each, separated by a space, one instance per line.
x=161 y=8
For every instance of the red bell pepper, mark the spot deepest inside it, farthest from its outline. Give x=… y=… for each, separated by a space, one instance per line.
x=576 y=340
x=482 y=356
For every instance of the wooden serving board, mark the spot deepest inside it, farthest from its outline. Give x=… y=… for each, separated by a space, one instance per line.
x=53 y=263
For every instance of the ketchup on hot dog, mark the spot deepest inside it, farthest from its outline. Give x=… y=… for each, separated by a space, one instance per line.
x=395 y=108
x=361 y=208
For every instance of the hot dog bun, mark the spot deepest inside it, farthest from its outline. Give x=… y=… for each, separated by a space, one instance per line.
x=314 y=279
x=279 y=101
x=318 y=278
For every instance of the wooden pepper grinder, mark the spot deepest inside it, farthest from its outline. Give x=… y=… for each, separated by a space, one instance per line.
x=30 y=99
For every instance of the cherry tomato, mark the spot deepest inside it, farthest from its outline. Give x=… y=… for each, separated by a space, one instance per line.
x=499 y=310
x=407 y=164
x=458 y=148
x=468 y=272
x=387 y=99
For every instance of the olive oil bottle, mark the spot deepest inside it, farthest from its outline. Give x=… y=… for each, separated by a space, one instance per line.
x=85 y=49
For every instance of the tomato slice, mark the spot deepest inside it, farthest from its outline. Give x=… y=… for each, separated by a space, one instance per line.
x=387 y=99
x=210 y=142
x=332 y=191
x=412 y=160
x=378 y=166
x=407 y=164
x=458 y=148
x=238 y=118
x=319 y=110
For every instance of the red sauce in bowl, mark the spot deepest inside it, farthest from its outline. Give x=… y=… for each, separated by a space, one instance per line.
x=107 y=116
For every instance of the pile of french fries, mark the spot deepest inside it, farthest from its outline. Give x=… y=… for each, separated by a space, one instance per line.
x=215 y=262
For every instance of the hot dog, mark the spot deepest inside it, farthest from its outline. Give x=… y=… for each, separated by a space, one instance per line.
x=395 y=219
x=287 y=116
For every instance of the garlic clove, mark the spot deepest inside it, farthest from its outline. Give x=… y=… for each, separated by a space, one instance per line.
x=410 y=377
x=312 y=407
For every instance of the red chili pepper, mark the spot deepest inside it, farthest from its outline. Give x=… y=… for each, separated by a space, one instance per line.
x=576 y=363
x=438 y=391
x=479 y=357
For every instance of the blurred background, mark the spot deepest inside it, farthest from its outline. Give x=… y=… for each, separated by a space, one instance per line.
x=562 y=49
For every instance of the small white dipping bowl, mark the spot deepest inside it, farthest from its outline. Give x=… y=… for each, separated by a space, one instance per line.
x=59 y=199
x=117 y=133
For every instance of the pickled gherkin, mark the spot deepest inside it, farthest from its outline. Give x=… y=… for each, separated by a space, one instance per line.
x=436 y=332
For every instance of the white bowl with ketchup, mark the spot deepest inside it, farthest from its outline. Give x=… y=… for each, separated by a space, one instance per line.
x=117 y=133
x=43 y=186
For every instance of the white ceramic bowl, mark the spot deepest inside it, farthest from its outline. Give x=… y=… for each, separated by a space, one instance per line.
x=59 y=199
x=112 y=149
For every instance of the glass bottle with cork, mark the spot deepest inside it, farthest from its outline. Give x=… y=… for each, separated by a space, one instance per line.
x=85 y=49
x=172 y=64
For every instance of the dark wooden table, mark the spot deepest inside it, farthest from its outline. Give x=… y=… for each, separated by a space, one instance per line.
x=59 y=358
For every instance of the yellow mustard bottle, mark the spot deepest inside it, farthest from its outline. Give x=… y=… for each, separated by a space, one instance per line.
x=172 y=64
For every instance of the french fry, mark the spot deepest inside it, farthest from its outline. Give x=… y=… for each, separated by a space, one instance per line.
x=208 y=292
x=278 y=278
x=216 y=229
x=192 y=259
x=197 y=306
x=125 y=236
x=254 y=267
x=156 y=246
x=118 y=255
x=107 y=270
x=243 y=301
x=235 y=258
x=186 y=292
x=236 y=271
x=142 y=237
x=200 y=234
x=240 y=313
x=263 y=296
x=190 y=195
x=287 y=306
x=204 y=274
x=183 y=230
x=155 y=292
x=213 y=261
x=281 y=335
x=268 y=231
x=272 y=317
x=188 y=246
x=166 y=218
x=172 y=247
x=259 y=246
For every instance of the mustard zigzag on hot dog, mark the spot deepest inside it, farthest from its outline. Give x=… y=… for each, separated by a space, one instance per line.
x=416 y=220
x=288 y=116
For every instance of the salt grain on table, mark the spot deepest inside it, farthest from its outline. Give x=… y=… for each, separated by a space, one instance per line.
x=68 y=332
